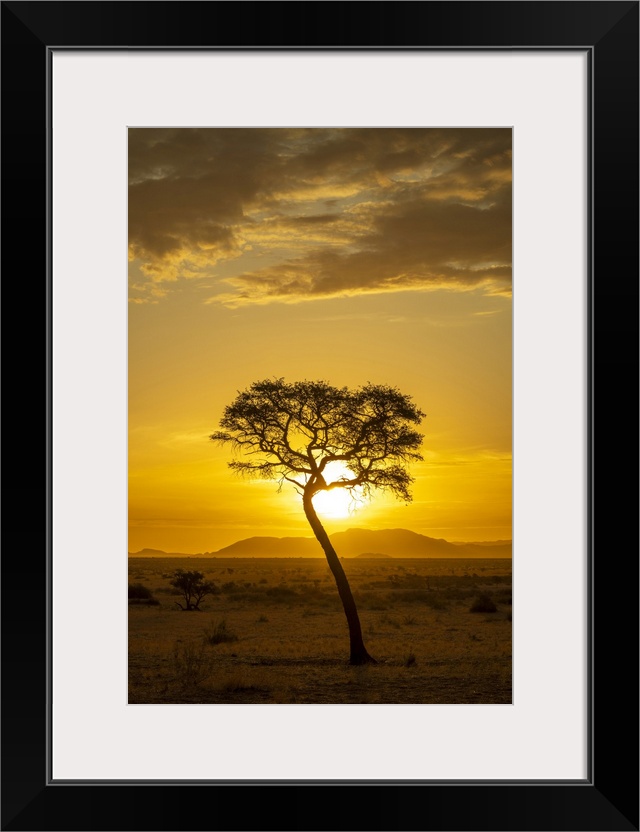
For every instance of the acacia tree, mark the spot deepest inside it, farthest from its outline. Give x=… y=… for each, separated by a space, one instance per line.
x=192 y=587
x=291 y=432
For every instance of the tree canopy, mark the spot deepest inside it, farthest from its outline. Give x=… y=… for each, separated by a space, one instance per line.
x=292 y=431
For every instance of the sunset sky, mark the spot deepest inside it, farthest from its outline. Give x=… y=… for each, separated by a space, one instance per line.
x=352 y=256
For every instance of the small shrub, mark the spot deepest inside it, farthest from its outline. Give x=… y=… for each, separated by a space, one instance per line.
x=219 y=633
x=307 y=594
x=262 y=619
x=140 y=592
x=409 y=621
x=230 y=586
x=191 y=664
x=410 y=660
x=193 y=588
x=483 y=603
x=279 y=592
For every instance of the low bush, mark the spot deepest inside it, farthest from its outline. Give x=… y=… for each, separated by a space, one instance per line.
x=483 y=603
x=219 y=633
x=191 y=664
x=230 y=587
x=281 y=592
x=140 y=592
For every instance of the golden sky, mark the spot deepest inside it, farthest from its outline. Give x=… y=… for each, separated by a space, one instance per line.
x=348 y=255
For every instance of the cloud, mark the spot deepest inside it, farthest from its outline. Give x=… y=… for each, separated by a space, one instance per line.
x=300 y=214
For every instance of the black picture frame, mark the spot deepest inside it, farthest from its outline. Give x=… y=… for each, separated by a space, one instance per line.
x=608 y=798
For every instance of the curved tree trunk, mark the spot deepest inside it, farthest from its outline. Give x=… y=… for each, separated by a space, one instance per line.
x=358 y=653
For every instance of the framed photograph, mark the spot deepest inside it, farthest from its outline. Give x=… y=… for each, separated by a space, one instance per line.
x=331 y=257
x=324 y=225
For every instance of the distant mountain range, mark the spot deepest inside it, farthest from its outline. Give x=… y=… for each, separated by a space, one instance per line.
x=397 y=543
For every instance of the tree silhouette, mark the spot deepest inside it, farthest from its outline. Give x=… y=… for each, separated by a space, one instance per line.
x=293 y=431
x=193 y=588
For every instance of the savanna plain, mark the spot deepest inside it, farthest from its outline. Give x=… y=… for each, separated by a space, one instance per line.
x=274 y=631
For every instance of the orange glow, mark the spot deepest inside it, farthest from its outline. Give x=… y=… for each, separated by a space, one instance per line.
x=339 y=502
x=359 y=256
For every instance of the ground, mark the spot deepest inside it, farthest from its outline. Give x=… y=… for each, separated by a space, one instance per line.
x=275 y=632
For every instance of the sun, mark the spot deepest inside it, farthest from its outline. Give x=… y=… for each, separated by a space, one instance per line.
x=340 y=502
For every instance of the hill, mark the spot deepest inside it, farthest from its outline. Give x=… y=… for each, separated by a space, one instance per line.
x=398 y=543
x=402 y=543
x=272 y=547
x=160 y=553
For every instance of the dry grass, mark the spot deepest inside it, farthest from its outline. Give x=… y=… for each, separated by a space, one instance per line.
x=291 y=636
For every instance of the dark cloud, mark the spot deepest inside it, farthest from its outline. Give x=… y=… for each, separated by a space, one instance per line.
x=337 y=211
